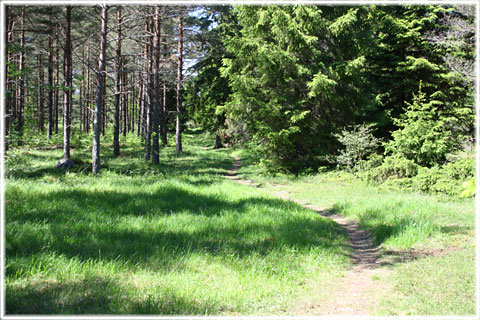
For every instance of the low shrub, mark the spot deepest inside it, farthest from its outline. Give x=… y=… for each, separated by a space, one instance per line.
x=455 y=178
x=448 y=179
x=393 y=167
x=468 y=189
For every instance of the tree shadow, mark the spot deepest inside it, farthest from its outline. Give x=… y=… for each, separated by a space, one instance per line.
x=96 y=295
x=190 y=162
x=86 y=225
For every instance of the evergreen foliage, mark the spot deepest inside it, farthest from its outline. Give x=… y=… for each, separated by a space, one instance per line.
x=423 y=135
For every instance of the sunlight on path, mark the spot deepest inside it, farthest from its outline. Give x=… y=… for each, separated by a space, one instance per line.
x=362 y=288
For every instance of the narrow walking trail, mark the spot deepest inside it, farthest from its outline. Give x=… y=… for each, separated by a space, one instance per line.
x=361 y=288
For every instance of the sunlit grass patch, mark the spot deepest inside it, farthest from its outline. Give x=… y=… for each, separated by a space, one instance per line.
x=442 y=285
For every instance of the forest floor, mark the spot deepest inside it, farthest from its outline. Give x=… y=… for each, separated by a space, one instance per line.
x=180 y=238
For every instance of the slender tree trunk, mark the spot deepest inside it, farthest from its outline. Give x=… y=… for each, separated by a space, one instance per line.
x=163 y=118
x=148 y=100
x=133 y=102
x=57 y=81
x=87 y=110
x=140 y=107
x=21 y=86
x=97 y=120
x=118 y=85
x=40 y=109
x=124 y=97
x=164 y=109
x=82 y=93
x=8 y=97
x=67 y=92
x=50 y=87
x=104 y=106
x=178 y=132
x=156 y=86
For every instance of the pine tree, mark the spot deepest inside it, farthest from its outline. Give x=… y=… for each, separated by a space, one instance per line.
x=97 y=121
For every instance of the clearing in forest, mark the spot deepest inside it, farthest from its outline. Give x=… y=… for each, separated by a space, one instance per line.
x=179 y=238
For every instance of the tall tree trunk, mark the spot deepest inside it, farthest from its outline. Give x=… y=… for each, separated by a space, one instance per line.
x=178 y=132
x=21 y=85
x=40 y=110
x=148 y=100
x=67 y=91
x=133 y=103
x=118 y=84
x=97 y=120
x=57 y=80
x=124 y=97
x=164 y=109
x=156 y=87
x=140 y=107
x=104 y=106
x=82 y=92
x=163 y=118
x=8 y=101
x=87 y=109
x=50 y=86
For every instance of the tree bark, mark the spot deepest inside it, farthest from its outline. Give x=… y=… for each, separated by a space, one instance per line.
x=87 y=109
x=8 y=96
x=118 y=85
x=104 y=106
x=178 y=132
x=140 y=107
x=133 y=102
x=40 y=110
x=82 y=92
x=156 y=87
x=148 y=100
x=57 y=79
x=97 y=120
x=124 y=97
x=50 y=86
x=163 y=116
x=67 y=91
x=21 y=85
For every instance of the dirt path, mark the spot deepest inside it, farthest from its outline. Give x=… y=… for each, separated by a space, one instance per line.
x=361 y=288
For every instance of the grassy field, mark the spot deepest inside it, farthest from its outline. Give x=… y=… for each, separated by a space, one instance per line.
x=428 y=242
x=177 y=238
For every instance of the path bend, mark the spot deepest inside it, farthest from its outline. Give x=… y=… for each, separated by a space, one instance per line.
x=360 y=291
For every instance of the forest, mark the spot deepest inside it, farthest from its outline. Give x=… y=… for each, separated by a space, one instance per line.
x=239 y=159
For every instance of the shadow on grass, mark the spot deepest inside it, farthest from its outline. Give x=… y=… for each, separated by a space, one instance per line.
x=103 y=225
x=84 y=224
x=95 y=295
x=130 y=163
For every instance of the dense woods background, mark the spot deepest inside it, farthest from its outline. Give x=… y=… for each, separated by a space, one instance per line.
x=384 y=91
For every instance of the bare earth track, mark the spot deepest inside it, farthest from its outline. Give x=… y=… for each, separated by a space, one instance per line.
x=361 y=288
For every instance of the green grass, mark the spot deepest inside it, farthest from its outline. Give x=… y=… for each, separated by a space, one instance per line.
x=399 y=221
x=177 y=238
x=435 y=285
